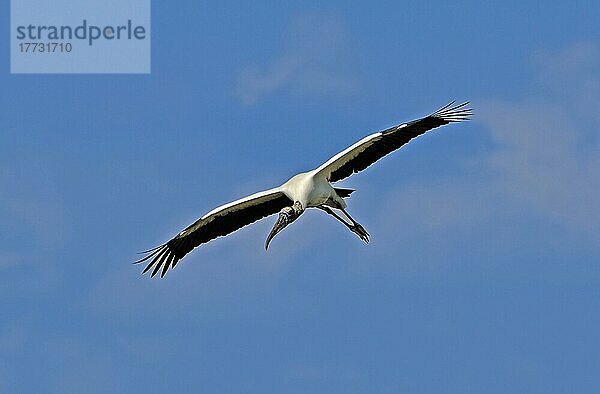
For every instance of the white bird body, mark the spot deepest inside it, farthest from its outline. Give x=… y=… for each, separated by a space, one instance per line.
x=310 y=189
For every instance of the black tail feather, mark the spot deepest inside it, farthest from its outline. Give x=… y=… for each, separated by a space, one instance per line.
x=343 y=192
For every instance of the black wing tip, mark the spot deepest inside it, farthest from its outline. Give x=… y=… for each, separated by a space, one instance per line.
x=150 y=254
x=162 y=258
x=454 y=113
x=151 y=250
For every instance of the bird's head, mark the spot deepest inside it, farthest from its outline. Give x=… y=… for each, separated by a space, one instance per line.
x=286 y=216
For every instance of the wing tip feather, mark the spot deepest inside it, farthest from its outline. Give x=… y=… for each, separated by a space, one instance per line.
x=454 y=113
x=161 y=258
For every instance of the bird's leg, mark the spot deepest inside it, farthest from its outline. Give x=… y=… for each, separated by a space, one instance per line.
x=335 y=215
x=357 y=227
x=352 y=227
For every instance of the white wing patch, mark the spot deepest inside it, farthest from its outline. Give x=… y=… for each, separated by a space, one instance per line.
x=239 y=204
x=232 y=207
x=346 y=155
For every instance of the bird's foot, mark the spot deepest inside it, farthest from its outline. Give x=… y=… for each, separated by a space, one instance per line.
x=360 y=231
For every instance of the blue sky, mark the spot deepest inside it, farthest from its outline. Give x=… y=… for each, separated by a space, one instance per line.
x=482 y=274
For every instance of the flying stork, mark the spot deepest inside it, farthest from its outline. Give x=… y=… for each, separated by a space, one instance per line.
x=310 y=189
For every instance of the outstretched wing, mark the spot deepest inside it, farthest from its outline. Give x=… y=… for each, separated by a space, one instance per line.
x=218 y=222
x=375 y=146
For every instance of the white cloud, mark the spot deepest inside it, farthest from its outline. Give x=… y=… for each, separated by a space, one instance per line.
x=439 y=205
x=548 y=154
x=572 y=74
x=544 y=163
x=313 y=62
x=540 y=163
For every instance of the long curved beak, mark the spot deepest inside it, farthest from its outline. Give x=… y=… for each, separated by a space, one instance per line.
x=282 y=221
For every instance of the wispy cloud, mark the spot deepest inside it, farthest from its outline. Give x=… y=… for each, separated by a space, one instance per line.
x=540 y=162
x=314 y=61
x=571 y=73
x=544 y=161
x=548 y=145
